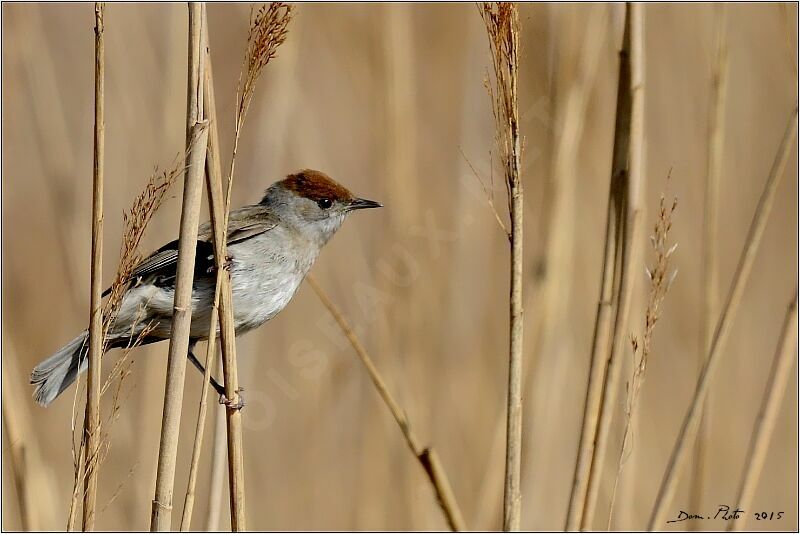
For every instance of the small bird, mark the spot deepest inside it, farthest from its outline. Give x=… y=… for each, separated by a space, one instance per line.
x=271 y=247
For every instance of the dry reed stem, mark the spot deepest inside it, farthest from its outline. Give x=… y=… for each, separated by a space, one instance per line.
x=214 y=191
x=96 y=341
x=217 y=479
x=426 y=456
x=502 y=28
x=135 y=223
x=661 y=277
x=268 y=30
x=196 y=140
x=620 y=240
x=680 y=452
x=779 y=376
x=631 y=183
x=716 y=139
x=545 y=291
x=32 y=476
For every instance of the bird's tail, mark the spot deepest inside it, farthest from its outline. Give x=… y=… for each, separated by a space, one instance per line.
x=55 y=374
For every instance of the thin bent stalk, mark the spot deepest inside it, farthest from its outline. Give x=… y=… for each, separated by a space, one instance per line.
x=196 y=139
x=716 y=138
x=680 y=453
x=214 y=190
x=621 y=220
x=779 y=376
x=426 y=456
x=631 y=182
x=92 y=417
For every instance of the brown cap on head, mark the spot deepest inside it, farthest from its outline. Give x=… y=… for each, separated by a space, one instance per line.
x=316 y=185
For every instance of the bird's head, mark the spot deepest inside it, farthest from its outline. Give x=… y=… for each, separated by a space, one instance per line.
x=313 y=203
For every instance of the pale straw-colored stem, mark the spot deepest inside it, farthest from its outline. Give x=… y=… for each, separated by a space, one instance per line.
x=620 y=236
x=779 y=375
x=425 y=455
x=196 y=140
x=631 y=107
x=214 y=190
x=217 y=479
x=688 y=432
x=32 y=475
x=96 y=341
x=716 y=139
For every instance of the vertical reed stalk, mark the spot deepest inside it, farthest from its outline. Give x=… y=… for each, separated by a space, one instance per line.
x=716 y=139
x=779 y=376
x=425 y=455
x=217 y=479
x=631 y=184
x=680 y=452
x=92 y=415
x=33 y=477
x=216 y=205
x=196 y=139
x=268 y=30
x=502 y=28
x=620 y=240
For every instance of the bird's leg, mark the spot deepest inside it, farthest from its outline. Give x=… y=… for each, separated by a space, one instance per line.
x=192 y=358
x=219 y=389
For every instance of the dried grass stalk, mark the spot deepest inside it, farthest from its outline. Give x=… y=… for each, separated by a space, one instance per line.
x=196 y=140
x=680 y=453
x=33 y=478
x=214 y=190
x=716 y=139
x=622 y=224
x=426 y=455
x=96 y=338
x=502 y=27
x=661 y=277
x=268 y=30
x=135 y=223
x=779 y=375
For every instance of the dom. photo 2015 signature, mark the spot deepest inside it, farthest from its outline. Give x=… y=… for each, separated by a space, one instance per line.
x=725 y=513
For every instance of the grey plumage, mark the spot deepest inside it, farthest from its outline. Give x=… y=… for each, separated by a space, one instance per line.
x=271 y=246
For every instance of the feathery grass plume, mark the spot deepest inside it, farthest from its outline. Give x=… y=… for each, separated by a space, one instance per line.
x=268 y=30
x=135 y=223
x=661 y=277
x=502 y=27
x=680 y=451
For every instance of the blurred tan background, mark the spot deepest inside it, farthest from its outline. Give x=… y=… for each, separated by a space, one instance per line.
x=384 y=98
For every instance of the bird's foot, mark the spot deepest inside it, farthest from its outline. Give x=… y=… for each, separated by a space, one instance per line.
x=238 y=405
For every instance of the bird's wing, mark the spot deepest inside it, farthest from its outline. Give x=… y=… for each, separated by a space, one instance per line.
x=244 y=224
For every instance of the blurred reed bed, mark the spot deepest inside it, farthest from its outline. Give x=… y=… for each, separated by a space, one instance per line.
x=386 y=98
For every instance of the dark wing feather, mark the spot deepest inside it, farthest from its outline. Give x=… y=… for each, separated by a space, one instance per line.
x=244 y=224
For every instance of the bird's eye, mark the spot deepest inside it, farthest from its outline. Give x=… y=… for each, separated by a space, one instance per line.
x=324 y=203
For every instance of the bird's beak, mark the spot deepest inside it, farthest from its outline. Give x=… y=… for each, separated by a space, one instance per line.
x=363 y=203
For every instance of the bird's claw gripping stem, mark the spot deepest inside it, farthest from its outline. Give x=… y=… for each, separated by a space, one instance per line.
x=229 y=403
x=226 y=265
